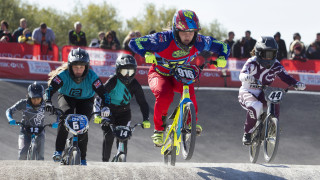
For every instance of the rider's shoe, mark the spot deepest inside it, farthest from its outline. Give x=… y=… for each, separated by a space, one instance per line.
x=246 y=140
x=57 y=156
x=198 y=129
x=83 y=162
x=157 y=138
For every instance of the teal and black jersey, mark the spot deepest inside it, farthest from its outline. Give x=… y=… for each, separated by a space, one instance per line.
x=122 y=94
x=64 y=84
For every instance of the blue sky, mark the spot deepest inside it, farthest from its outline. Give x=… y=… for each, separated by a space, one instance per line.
x=262 y=18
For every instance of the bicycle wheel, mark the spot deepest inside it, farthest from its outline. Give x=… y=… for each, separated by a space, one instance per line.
x=74 y=156
x=271 y=141
x=32 y=152
x=254 y=148
x=122 y=158
x=188 y=131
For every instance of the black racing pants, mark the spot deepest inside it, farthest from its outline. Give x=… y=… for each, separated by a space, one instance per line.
x=120 y=117
x=71 y=105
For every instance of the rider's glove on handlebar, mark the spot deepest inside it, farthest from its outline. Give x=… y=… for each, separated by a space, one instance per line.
x=300 y=86
x=12 y=122
x=146 y=124
x=55 y=125
x=250 y=79
x=49 y=107
x=150 y=58
x=97 y=119
x=105 y=112
x=221 y=62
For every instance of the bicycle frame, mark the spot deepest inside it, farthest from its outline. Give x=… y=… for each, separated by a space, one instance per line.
x=177 y=122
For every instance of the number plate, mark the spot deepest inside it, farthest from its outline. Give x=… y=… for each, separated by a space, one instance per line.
x=275 y=96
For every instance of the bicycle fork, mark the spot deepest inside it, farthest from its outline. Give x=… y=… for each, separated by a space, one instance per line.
x=120 y=152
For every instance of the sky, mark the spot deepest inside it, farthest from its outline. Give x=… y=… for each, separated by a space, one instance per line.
x=262 y=18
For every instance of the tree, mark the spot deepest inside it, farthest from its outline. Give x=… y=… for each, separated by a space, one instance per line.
x=215 y=30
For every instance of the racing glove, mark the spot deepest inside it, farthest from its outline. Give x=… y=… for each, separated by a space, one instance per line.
x=97 y=119
x=150 y=58
x=221 y=62
x=146 y=124
x=299 y=86
x=49 y=107
x=12 y=122
x=105 y=112
x=55 y=125
x=250 y=79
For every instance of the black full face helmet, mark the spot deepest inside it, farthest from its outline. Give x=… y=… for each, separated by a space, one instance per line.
x=266 y=50
x=126 y=67
x=78 y=57
x=35 y=90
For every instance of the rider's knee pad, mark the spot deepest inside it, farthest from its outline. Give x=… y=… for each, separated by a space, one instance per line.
x=257 y=108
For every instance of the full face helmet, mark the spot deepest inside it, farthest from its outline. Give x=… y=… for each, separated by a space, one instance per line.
x=185 y=20
x=35 y=90
x=78 y=57
x=266 y=50
x=126 y=67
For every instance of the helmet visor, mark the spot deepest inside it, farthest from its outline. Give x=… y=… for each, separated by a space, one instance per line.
x=268 y=55
x=127 y=72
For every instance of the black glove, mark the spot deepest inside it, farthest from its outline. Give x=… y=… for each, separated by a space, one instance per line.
x=49 y=107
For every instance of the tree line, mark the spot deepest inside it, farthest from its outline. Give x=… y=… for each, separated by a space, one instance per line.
x=95 y=18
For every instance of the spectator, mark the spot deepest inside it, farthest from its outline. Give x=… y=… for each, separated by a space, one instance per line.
x=43 y=35
x=76 y=36
x=152 y=31
x=116 y=40
x=5 y=35
x=250 y=43
x=296 y=36
x=26 y=37
x=108 y=42
x=126 y=40
x=18 y=32
x=96 y=42
x=240 y=49
x=138 y=34
x=313 y=51
x=282 y=50
x=230 y=40
x=296 y=48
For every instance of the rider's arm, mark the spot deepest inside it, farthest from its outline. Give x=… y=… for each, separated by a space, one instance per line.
x=246 y=73
x=53 y=87
x=150 y=43
x=108 y=86
x=140 y=98
x=208 y=43
x=20 y=105
x=284 y=76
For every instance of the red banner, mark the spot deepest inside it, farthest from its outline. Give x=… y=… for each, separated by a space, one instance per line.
x=310 y=66
x=27 y=51
x=11 y=68
x=98 y=56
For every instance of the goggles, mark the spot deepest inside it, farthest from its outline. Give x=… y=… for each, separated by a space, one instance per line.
x=127 y=72
x=268 y=55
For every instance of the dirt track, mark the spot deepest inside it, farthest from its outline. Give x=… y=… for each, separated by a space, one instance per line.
x=222 y=119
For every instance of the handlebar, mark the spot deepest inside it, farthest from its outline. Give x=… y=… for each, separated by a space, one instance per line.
x=258 y=84
x=23 y=125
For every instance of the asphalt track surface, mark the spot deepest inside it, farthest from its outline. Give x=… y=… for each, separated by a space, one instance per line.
x=219 y=153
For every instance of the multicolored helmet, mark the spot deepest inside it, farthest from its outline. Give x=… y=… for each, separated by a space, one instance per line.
x=185 y=20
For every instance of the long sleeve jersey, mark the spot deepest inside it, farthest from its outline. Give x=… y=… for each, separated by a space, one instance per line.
x=122 y=94
x=163 y=45
x=264 y=75
x=30 y=116
x=86 y=89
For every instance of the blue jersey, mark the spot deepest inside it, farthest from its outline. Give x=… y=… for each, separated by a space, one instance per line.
x=164 y=45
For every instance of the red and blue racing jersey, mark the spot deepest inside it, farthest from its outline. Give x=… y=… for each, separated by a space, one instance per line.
x=163 y=45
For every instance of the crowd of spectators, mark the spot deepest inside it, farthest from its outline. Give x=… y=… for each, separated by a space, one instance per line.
x=240 y=48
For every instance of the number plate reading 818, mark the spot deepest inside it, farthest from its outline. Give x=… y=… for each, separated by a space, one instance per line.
x=275 y=96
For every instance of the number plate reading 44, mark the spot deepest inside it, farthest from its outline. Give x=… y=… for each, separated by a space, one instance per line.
x=275 y=96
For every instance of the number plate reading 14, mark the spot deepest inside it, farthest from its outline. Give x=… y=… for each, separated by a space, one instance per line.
x=275 y=95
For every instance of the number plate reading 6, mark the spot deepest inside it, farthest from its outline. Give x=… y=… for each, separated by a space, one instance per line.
x=275 y=95
x=186 y=73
